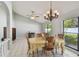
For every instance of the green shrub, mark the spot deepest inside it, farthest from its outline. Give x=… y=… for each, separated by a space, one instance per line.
x=71 y=38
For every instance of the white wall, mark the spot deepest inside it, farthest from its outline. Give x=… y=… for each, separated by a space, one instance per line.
x=57 y=26
x=24 y=25
x=3 y=20
x=13 y=20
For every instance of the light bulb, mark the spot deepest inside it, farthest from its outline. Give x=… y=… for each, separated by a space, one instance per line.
x=48 y=12
x=57 y=13
x=32 y=17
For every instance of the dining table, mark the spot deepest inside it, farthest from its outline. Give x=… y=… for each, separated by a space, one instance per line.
x=36 y=43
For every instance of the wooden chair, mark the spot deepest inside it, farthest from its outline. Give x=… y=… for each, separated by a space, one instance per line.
x=28 y=51
x=50 y=45
x=61 y=41
x=40 y=35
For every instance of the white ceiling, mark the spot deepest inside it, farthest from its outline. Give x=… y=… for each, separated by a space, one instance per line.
x=66 y=9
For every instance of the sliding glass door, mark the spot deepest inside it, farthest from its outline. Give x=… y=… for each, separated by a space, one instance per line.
x=71 y=33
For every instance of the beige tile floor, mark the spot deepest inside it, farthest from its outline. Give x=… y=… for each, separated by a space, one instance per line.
x=19 y=49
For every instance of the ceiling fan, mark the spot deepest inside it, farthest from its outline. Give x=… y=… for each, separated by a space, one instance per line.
x=33 y=15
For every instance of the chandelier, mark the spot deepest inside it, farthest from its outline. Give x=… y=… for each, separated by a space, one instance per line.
x=51 y=14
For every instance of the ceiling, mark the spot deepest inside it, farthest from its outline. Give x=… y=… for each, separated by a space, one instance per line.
x=65 y=8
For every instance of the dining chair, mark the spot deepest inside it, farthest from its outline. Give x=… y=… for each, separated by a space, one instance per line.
x=50 y=45
x=32 y=48
x=61 y=42
x=29 y=48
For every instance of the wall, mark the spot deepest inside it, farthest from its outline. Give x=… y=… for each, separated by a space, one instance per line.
x=13 y=20
x=23 y=25
x=3 y=20
x=57 y=26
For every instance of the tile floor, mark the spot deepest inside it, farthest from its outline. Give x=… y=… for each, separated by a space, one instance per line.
x=19 y=49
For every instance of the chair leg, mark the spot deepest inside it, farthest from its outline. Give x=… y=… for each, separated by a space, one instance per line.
x=28 y=51
x=33 y=54
x=56 y=49
x=46 y=52
x=62 y=51
x=37 y=51
x=43 y=51
x=53 y=52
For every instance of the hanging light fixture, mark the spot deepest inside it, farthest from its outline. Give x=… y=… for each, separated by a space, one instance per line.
x=51 y=14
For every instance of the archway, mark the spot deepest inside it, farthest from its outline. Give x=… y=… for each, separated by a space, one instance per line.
x=5 y=44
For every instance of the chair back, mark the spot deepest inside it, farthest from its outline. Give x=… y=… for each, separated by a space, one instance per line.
x=39 y=35
x=61 y=36
x=50 y=39
x=50 y=42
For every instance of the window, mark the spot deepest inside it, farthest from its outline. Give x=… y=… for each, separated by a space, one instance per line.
x=48 y=28
x=71 y=32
